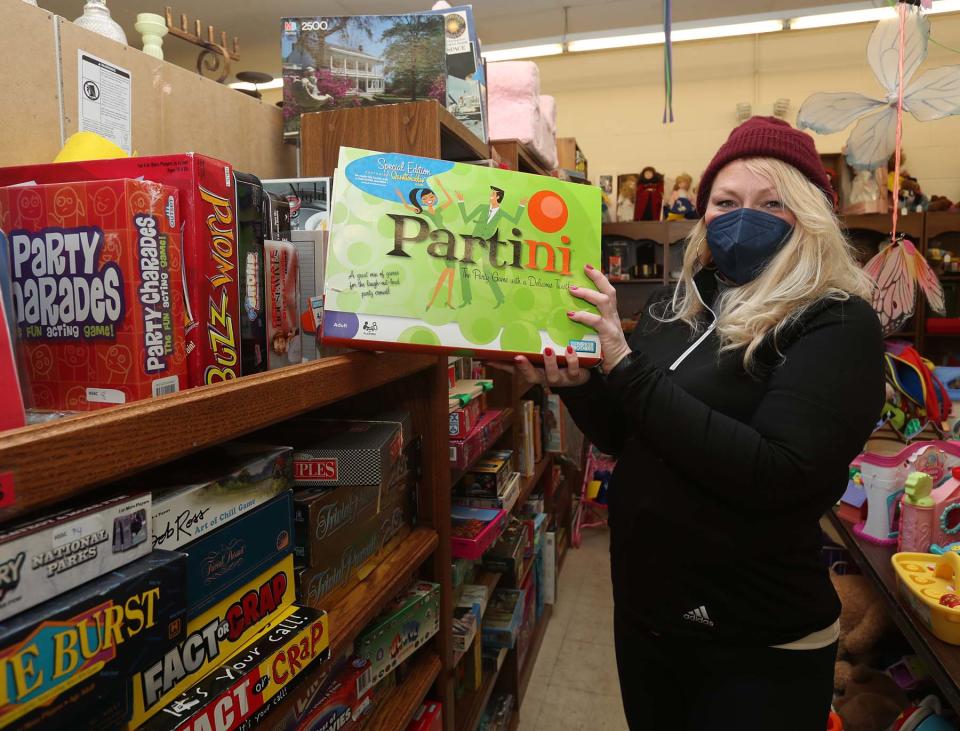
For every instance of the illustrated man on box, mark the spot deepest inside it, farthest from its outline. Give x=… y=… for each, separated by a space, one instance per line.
x=487 y=223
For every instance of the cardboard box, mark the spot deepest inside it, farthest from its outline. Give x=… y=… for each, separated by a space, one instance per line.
x=205 y=491
x=458 y=279
x=505 y=501
x=283 y=304
x=475 y=531
x=465 y=623
x=550 y=567
x=346 y=453
x=49 y=557
x=57 y=669
x=501 y=623
x=464 y=452
x=97 y=291
x=488 y=477
x=251 y=202
x=230 y=556
x=336 y=702
x=404 y=626
x=309 y=200
x=212 y=637
x=276 y=216
x=232 y=693
x=507 y=554
x=312 y=250
x=429 y=717
x=330 y=573
x=210 y=264
x=323 y=520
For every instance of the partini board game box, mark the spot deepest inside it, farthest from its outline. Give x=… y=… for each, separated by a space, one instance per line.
x=435 y=256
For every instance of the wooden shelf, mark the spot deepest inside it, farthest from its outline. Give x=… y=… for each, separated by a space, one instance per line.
x=397 y=707
x=941 y=659
x=638 y=230
x=516 y=156
x=489 y=579
x=528 y=483
x=470 y=707
x=62 y=459
x=423 y=128
x=526 y=670
x=364 y=602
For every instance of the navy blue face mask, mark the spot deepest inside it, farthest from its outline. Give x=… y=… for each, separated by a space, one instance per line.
x=744 y=240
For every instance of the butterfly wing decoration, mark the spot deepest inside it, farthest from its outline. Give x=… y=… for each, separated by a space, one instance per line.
x=929 y=282
x=895 y=294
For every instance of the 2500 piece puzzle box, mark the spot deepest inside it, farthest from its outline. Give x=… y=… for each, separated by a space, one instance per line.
x=439 y=256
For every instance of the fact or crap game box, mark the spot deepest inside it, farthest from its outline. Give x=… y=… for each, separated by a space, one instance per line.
x=68 y=659
x=97 y=290
x=211 y=320
x=234 y=692
x=427 y=255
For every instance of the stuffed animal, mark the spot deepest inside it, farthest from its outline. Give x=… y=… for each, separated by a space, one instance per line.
x=872 y=701
x=863 y=622
x=939 y=203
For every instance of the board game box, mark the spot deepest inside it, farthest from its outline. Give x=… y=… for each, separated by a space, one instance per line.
x=411 y=619
x=229 y=556
x=334 y=702
x=324 y=519
x=212 y=637
x=435 y=256
x=69 y=658
x=346 y=453
x=251 y=207
x=309 y=200
x=49 y=557
x=211 y=318
x=429 y=717
x=97 y=291
x=205 y=491
x=330 y=572
x=283 y=304
x=233 y=693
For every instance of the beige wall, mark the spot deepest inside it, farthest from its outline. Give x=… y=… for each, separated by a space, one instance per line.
x=612 y=102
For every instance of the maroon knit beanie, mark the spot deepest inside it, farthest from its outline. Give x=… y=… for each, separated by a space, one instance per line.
x=766 y=137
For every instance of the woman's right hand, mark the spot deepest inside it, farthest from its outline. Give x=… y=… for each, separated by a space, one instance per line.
x=551 y=374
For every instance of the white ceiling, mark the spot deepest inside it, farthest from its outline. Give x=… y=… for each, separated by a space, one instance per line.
x=257 y=22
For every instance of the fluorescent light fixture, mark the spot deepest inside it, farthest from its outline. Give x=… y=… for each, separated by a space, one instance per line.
x=606 y=43
x=849 y=17
x=726 y=31
x=512 y=54
x=244 y=86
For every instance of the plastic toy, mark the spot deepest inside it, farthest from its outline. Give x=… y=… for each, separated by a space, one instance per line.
x=884 y=476
x=930 y=519
x=923 y=717
x=908 y=672
x=923 y=580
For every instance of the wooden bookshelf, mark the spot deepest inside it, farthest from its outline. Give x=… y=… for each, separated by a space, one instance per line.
x=506 y=422
x=422 y=128
x=528 y=483
x=470 y=706
x=517 y=157
x=396 y=709
x=526 y=670
x=61 y=460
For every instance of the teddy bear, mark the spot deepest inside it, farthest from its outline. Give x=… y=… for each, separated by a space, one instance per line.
x=871 y=702
x=939 y=203
x=863 y=621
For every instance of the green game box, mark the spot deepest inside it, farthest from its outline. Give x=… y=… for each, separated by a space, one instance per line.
x=428 y=255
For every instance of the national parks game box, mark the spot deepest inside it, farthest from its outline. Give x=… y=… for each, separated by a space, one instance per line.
x=427 y=255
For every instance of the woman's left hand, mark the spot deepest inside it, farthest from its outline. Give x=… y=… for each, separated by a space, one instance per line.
x=613 y=343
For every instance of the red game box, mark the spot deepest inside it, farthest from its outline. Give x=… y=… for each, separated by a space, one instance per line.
x=97 y=290
x=208 y=205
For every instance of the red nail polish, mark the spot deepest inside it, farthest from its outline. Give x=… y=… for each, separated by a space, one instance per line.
x=570 y=314
x=573 y=287
x=589 y=266
x=548 y=352
x=569 y=350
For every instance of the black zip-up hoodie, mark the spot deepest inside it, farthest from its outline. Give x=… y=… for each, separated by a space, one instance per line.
x=722 y=476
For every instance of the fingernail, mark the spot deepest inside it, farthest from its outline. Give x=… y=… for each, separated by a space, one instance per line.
x=589 y=266
x=569 y=350
x=570 y=314
x=573 y=287
x=517 y=359
x=548 y=352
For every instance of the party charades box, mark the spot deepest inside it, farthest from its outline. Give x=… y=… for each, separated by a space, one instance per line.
x=428 y=255
x=97 y=290
x=211 y=272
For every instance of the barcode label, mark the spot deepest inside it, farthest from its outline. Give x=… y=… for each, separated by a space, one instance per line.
x=363 y=682
x=163 y=386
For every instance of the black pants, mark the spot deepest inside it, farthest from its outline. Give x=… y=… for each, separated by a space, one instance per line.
x=671 y=684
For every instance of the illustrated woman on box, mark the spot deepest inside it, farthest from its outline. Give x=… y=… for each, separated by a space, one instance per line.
x=423 y=201
x=735 y=410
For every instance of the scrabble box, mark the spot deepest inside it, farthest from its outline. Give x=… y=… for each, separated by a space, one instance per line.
x=97 y=290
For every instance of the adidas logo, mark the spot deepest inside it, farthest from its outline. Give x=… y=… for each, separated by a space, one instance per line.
x=699 y=615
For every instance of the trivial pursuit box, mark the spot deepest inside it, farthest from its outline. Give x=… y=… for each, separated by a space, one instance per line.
x=428 y=255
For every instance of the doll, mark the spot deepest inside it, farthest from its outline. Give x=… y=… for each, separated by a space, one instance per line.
x=680 y=206
x=626 y=196
x=649 y=196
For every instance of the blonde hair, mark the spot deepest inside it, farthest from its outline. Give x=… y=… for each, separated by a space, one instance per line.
x=816 y=263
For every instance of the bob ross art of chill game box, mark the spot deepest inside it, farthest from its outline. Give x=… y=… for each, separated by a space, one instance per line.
x=435 y=256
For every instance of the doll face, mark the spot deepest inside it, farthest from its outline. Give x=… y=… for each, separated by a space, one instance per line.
x=737 y=187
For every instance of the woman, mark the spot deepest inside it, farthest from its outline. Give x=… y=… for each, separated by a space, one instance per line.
x=424 y=201
x=735 y=411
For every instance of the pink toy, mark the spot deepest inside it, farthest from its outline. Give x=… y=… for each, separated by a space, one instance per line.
x=930 y=518
x=517 y=111
x=884 y=477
